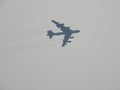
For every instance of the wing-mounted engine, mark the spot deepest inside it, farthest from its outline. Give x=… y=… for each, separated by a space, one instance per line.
x=68 y=41
x=68 y=27
x=71 y=37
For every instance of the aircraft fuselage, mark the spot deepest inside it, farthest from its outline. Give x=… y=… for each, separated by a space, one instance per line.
x=70 y=32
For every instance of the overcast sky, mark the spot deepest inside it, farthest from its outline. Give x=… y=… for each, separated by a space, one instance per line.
x=29 y=60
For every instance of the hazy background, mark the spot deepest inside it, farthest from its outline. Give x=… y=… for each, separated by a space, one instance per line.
x=29 y=60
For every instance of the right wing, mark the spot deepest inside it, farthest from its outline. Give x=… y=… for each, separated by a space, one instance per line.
x=65 y=40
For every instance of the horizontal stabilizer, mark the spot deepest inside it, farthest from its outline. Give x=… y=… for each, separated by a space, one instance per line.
x=50 y=34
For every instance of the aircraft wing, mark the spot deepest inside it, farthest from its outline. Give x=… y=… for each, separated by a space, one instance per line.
x=57 y=23
x=65 y=40
x=61 y=26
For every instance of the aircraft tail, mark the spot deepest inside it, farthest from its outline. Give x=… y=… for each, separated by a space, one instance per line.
x=50 y=34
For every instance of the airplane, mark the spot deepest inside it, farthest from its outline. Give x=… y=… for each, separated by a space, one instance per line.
x=66 y=31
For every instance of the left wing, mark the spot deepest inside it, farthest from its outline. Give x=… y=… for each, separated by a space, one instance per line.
x=65 y=40
x=61 y=26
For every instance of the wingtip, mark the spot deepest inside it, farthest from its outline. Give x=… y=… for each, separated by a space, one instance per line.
x=52 y=20
x=62 y=45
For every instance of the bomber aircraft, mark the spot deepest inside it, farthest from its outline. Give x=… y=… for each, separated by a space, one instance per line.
x=66 y=31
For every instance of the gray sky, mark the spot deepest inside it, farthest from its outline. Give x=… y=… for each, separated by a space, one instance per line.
x=30 y=60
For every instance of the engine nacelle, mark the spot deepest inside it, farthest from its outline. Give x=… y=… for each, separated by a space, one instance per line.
x=68 y=27
x=71 y=37
x=69 y=41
